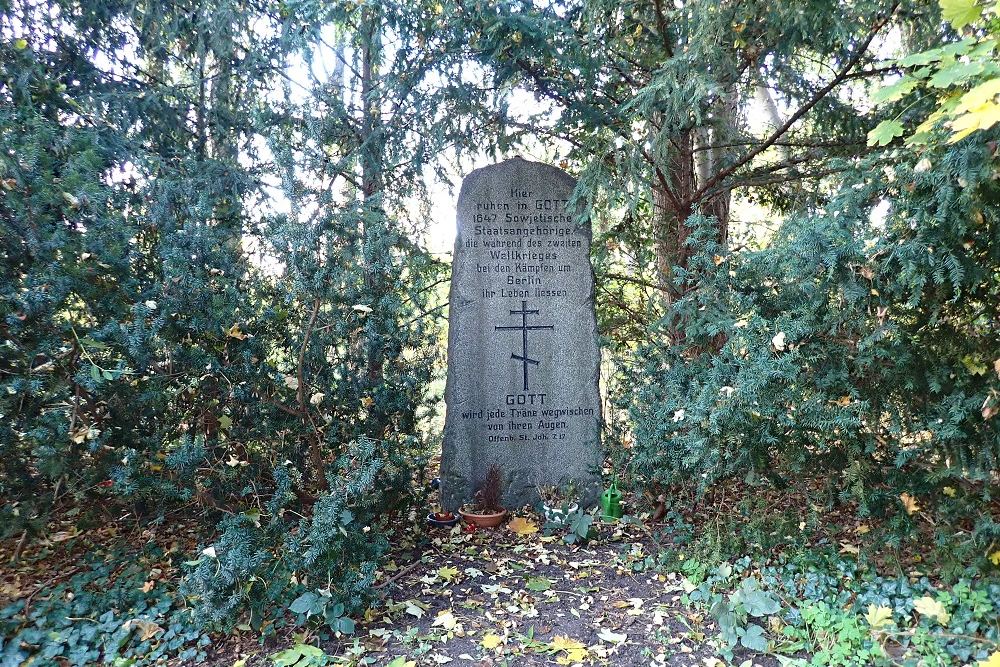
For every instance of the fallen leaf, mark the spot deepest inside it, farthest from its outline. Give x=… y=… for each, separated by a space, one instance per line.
x=878 y=616
x=522 y=526
x=574 y=650
x=234 y=332
x=414 y=608
x=611 y=637
x=446 y=620
x=401 y=661
x=778 y=341
x=147 y=629
x=848 y=548
x=992 y=661
x=491 y=641
x=148 y=586
x=995 y=557
x=447 y=573
x=909 y=503
x=928 y=606
x=538 y=584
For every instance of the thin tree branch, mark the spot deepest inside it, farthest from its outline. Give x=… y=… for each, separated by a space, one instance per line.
x=802 y=111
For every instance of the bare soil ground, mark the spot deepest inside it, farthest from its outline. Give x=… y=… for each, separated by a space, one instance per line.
x=493 y=597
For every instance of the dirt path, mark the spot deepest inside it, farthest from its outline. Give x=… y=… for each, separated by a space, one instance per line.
x=497 y=598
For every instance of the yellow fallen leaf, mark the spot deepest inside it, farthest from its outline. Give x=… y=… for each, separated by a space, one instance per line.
x=147 y=629
x=928 y=606
x=522 y=526
x=148 y=586
x=995 y=557
x=992 y=661
x=848 y=548
x=949 y=491
x=491 y=641
x=234 y=332
x=446 y=620
x=574 y=650
x=447 y=573
x=878 y=616
x=909 y=503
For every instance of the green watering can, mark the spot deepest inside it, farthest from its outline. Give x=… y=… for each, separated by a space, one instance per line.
x=611 y=503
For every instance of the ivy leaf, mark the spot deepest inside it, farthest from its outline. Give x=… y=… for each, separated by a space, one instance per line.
x=885 y=132
x=960 y=13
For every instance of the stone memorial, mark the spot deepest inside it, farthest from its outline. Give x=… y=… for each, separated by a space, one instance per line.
x=523 y=360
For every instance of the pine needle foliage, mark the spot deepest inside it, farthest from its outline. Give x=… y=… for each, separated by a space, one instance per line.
x=213 y=302
x=859 y=348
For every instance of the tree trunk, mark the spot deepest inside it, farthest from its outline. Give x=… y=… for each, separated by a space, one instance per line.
x=670 y=193
x=374 y=222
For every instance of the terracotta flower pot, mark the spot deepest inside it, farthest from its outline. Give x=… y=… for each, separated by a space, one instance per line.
x=483 y=520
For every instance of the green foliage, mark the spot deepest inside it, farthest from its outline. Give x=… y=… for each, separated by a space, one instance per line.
x=103 y=614
x=825 y=610
x=301 y=655
x=579 y=525
x=212 y=301
x=962 y=76
x=856 y=349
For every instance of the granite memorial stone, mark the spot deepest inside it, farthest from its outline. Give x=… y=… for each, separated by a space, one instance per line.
x=523 y=360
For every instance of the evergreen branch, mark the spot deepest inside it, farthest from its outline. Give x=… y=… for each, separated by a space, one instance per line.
x=802 y=111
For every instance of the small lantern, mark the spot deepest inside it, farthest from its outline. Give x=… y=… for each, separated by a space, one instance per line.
x=611 y=500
